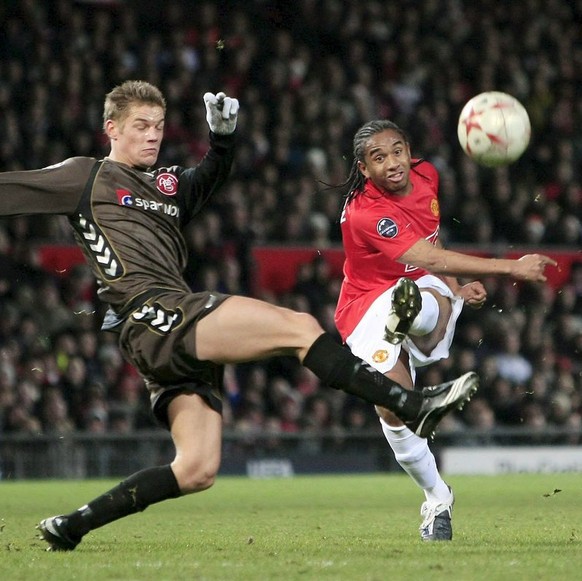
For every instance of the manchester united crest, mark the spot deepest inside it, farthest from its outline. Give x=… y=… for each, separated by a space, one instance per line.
x=380 y=356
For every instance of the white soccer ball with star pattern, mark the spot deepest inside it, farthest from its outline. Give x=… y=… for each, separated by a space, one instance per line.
x=494 y=129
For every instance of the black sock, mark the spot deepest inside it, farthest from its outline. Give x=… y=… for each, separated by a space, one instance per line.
x=132 y=495
x=337 y=367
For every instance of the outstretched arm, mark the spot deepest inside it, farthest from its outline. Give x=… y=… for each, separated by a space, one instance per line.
x=52 y=190
x=423 y=254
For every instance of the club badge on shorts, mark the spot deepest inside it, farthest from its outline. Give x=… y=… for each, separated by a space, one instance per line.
x=380 y=356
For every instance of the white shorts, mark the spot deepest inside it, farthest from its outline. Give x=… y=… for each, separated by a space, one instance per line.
x=367 y=342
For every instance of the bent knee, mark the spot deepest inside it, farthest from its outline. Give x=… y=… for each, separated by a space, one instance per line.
x=194 y=479
x=302 y=331
x=306 y=324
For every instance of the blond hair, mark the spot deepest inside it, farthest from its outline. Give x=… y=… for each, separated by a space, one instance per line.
x=122 y=97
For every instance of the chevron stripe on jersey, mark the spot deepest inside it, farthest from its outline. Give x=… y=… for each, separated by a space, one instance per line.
x=159 y=318
x=97 y=246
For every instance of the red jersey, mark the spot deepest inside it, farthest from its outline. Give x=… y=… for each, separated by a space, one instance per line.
x=377 y=229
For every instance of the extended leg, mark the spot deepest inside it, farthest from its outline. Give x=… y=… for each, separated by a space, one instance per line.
x=243 y=329
x=196 y=431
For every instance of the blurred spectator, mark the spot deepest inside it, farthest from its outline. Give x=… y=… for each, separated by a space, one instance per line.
x=534 y=418
x=479 y=416
x=511 y=364
x=54 y=412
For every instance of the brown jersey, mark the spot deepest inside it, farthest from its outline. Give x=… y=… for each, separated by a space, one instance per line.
x=129 y=224
x=127 y=221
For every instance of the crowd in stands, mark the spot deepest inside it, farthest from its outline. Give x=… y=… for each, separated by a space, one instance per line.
x=308 y=74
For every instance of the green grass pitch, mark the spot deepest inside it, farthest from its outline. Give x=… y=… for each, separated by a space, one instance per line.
x=362 y=527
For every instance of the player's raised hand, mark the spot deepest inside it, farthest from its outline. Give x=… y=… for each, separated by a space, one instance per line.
x=531 y=267
x=221 y=113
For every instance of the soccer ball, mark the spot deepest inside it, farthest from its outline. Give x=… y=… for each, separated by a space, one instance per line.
x=494 y=129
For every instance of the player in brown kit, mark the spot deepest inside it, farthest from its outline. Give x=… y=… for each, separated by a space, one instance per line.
x=128 y=220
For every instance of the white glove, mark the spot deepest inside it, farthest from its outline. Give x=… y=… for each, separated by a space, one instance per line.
x=221 y=113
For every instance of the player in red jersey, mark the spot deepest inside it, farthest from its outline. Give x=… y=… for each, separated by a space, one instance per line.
x=400 y=300
x=128 y=218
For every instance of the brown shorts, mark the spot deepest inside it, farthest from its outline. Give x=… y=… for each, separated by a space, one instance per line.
x=159 y=339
